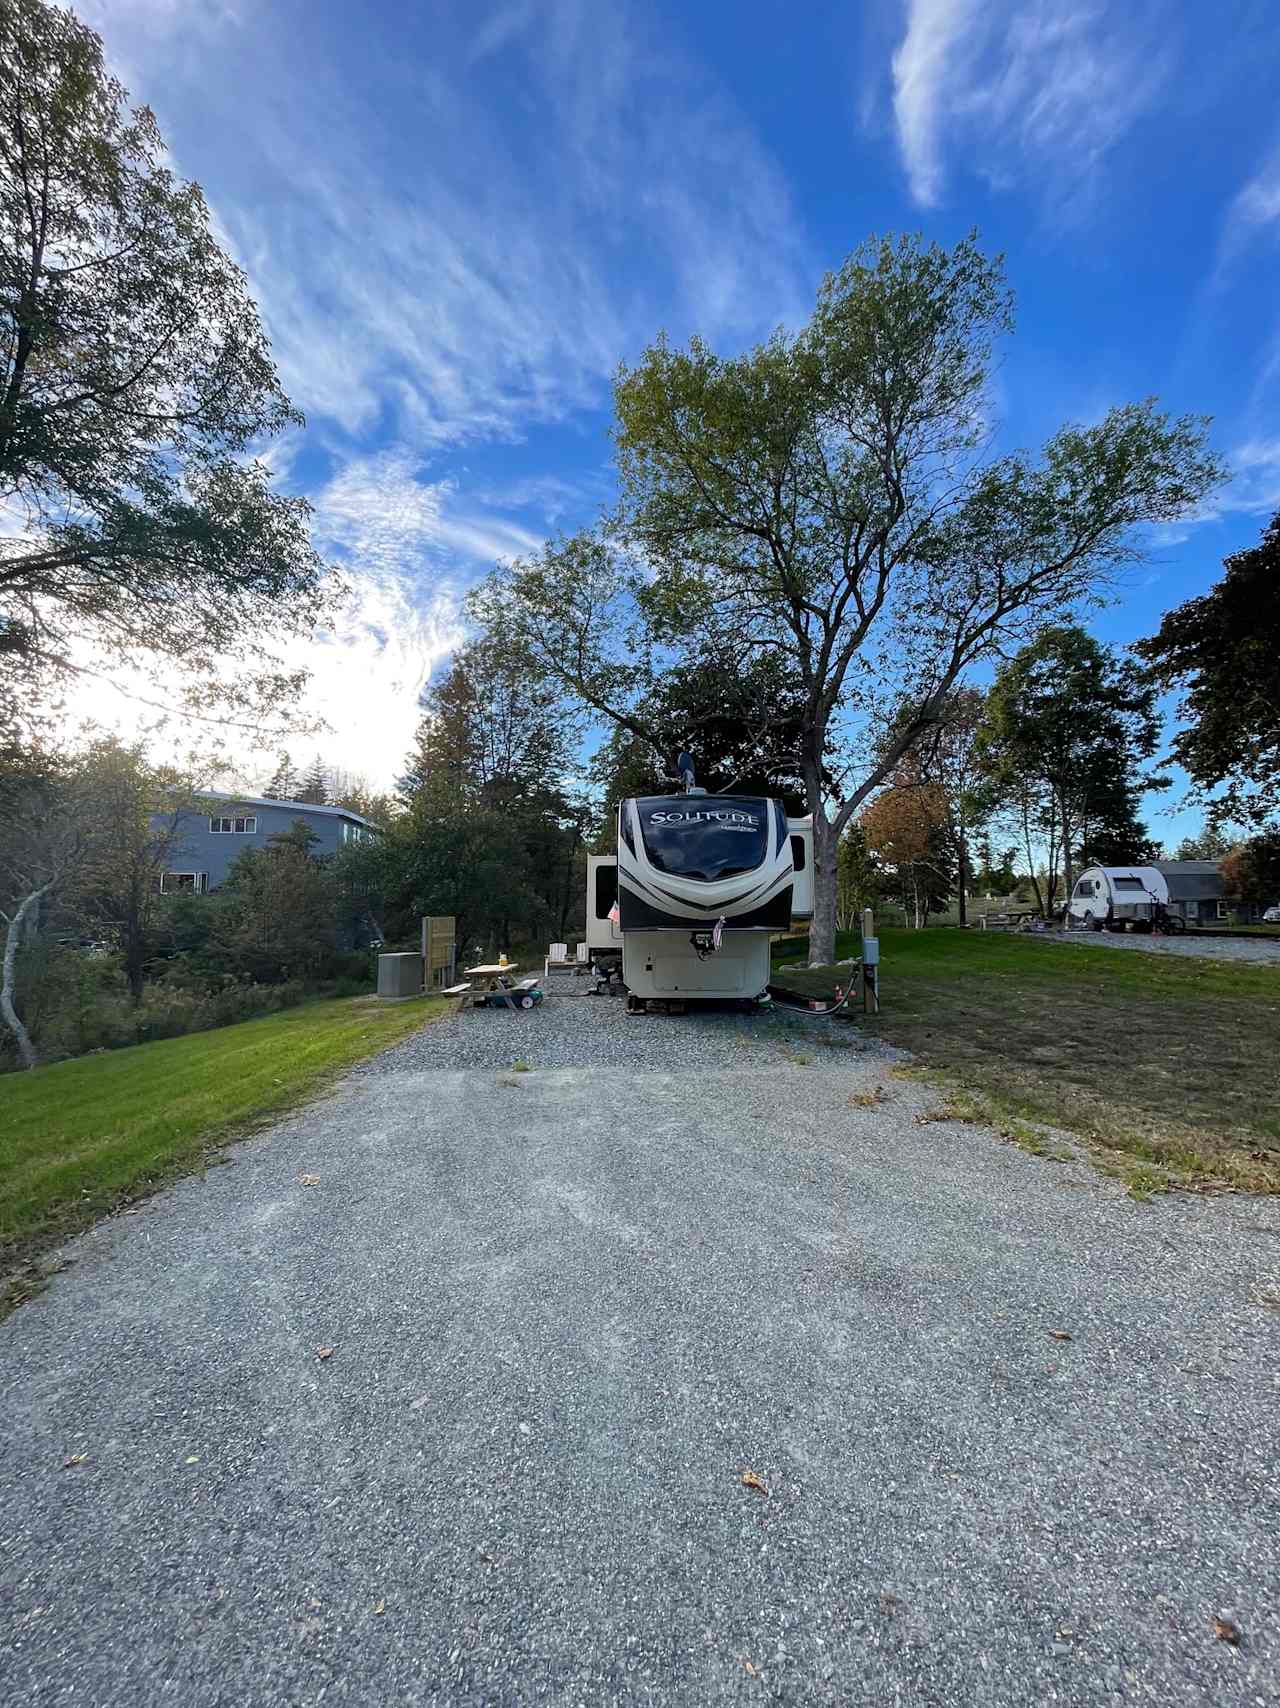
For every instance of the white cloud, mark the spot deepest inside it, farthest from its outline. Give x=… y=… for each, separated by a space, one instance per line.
x=1254 y=212
x=1017 y=91
x=1256 y=486
x=923 y=68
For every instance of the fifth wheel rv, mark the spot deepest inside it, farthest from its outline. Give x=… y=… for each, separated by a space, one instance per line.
x=700 y=884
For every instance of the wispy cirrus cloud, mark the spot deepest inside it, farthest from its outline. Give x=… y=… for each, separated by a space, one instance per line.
x=460 y=269
x=1254 y=211
x=1020 y=92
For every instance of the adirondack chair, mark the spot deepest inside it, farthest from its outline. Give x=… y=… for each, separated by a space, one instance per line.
x=557 y=958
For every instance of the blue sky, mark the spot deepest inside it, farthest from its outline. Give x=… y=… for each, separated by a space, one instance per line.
x=458 y=219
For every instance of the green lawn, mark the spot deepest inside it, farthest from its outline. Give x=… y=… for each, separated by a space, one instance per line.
x=1171 y=1060
x=79 y=1138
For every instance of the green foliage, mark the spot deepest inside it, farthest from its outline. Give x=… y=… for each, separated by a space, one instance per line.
x=276 y=916
x=860 y=881
x=1252 y=870
x=1211 y=844
x=75 y=1003
x=134 y=378
x=1223 y=650
x=737 y=715
x=1067 y=727
x=489 y=831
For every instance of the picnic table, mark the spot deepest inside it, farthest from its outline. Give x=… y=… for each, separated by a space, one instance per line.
x=484 y=979
x=1012 y=919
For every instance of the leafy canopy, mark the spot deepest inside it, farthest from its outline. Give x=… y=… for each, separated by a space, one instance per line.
x=135 y=381
x=1223 y=650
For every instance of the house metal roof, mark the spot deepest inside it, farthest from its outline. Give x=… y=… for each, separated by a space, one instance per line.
x=1192 y=880
x=300 y=806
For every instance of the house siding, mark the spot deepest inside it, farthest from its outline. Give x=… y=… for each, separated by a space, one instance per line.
x=196 y=848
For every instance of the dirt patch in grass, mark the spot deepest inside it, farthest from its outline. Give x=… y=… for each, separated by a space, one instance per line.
x=1169 y=1070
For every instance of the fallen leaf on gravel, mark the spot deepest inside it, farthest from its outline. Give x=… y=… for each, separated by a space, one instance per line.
x=323 y=1352
x=1059 y=1334
x=381 y=1607
x=1226 y=1630
x=1050 y=1369
x=750 y=1668
x=194 y=1459
x=749 y=1480
x=308 y=1180
x=75 y=1459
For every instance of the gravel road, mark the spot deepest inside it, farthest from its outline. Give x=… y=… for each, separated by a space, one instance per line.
x=1016 y=1433
x=1205 y=948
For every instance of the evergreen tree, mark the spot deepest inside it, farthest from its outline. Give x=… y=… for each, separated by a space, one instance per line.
x=284 y=780
x=315 y=785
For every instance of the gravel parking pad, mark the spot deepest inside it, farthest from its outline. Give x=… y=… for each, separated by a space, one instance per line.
x=1016 y=1432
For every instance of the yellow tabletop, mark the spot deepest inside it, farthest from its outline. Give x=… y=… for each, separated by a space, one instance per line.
x=490 y=972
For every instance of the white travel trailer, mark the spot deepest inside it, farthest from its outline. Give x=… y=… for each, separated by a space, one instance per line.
x=699 y=886
x=1124 y=897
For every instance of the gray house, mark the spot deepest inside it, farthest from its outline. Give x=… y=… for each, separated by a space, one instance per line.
x=208 y=842
x=1196 y=890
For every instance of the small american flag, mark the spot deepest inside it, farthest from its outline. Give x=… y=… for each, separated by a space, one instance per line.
x=614 y=916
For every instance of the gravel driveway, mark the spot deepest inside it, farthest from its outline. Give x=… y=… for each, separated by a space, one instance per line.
x=1017 y=1432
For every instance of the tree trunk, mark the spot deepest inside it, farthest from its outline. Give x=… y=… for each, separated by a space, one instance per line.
x=17 y=925
x=822 y=927
x=1068 y=867
x=1031 y=863
x=962 y=848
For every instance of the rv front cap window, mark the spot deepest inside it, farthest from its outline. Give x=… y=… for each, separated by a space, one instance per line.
x=707 y=836
x=1128 y=883
x=1085 y=887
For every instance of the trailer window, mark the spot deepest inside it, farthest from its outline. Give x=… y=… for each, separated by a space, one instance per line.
x=797 y=853
x=704 y=836
x=606 y=890
x=1128 y=883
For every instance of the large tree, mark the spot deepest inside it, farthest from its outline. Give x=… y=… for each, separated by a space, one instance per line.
x=135 y=383
x=825 y=498
x=1068 y=726
x=1223 y=651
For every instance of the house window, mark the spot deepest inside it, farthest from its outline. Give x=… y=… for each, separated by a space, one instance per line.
x=184 y=883
x=246 y=826
x=1222 y=910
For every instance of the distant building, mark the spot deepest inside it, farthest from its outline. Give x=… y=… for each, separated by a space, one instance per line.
x=208 y=842
x=1196 y=889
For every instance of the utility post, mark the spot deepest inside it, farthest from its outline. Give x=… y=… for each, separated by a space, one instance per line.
x=870 y=964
